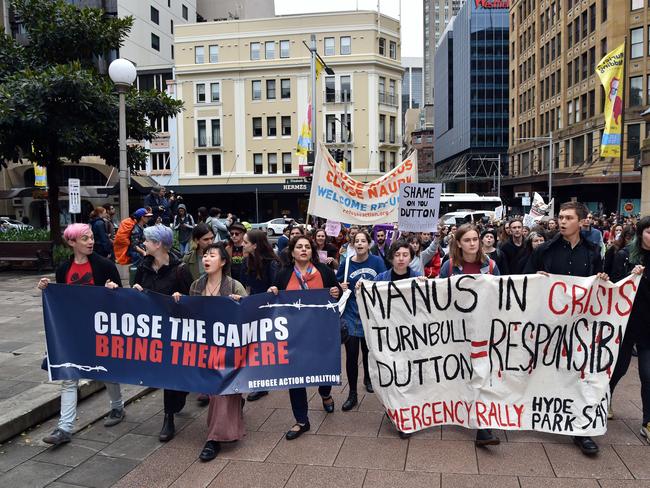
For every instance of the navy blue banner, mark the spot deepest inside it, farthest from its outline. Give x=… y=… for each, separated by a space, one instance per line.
x=202 y=344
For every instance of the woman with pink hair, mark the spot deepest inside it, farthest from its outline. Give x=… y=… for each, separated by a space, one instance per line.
x=84 y=267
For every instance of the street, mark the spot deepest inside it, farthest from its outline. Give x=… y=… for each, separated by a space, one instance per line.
x=343 y=449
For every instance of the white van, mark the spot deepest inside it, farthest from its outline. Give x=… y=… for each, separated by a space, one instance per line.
x=464 y=216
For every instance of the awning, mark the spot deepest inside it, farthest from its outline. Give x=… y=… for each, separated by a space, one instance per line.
x=143 y=184
x=237 y=188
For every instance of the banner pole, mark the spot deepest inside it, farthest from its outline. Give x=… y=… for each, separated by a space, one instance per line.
x=619 y=193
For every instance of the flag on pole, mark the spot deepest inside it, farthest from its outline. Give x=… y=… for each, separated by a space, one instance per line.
x=610 y=72
x=319 y=66
x=304 y=139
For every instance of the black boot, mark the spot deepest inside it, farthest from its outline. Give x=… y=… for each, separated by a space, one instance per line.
x=351 y=402
x=168 y=429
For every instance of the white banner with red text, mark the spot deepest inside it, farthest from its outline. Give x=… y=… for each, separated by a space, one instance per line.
x=335 y=195
x=525 y=352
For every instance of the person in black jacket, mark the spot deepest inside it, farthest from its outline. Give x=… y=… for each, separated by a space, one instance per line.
x=103 y=244
x=514 y=246
x=620 y=242
x=635 y=259
x=85 y=267
x=303 y=273
x=569 y=253
x=161 y=272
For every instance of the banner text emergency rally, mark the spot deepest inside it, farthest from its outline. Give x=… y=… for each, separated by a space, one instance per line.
x=519 y=352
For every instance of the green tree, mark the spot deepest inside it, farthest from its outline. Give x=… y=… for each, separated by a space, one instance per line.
x=55 y=105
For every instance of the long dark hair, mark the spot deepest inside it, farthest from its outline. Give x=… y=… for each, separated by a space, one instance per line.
x=225 y=257
x=636 y=246
x=263 y=254
x=626 y=234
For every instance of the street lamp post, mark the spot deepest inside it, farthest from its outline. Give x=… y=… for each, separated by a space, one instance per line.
x=123 y=74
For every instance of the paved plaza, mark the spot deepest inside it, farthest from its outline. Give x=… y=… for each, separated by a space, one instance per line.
x=344 y=449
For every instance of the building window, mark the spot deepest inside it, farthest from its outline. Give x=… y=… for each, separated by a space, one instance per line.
x=603 y=8
x=257 y=89
x=186 y=13
x=636 y=91
x=216 y=164
x=330 y=128
x=215 y=126
x=199 y=54
x=391 y=130
x=200 y=93
x=637 y=4
x=636 y=42
x=392 y=50
x=393 y=158
x=346 y=45
x=203 y=165
x=570 y=112
x=382 y=89
x=172 y=51
x=171 y=26
x=382 y=46
x=330 y=89
x=346 y=89
x=257 y=164
x=286 y=163
x=284 y=49
x=285 y=88
x=269 y=50
x=160 y=161
x=382 y=128
x=155 y=15
x=633 y=140
x=271 y=127
x=382 y=161
x=270 y=89
x=155 y=42
x=272 y=159
x=202 y=135
x=213 y=51
x=215 y=92
x=329 y=46
x=255 y=51
x=603 y=47
x=286 y=125
x=257 y=126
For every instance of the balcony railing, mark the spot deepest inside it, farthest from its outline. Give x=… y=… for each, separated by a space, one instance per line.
x=200 y=142
x=337 y=96
x=388 y=99
x=337 y=137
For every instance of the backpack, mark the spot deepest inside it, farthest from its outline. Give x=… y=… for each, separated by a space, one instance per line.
x=123 y=241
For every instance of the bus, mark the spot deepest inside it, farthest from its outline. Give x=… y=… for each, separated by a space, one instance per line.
x=454 y=202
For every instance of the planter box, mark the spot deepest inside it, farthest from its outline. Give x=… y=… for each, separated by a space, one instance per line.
x=36 y=253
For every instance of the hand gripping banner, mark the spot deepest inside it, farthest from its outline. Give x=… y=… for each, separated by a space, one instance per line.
x=512 y=352
x=202 y=344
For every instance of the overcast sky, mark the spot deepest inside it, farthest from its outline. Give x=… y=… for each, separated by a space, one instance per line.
x=411 y=15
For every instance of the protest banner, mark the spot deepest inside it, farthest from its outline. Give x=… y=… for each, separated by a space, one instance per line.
x=419 y=207
x=337 y=196
x=525 y=352
x=202 y=344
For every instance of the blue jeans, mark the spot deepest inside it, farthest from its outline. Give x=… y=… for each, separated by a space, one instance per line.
x=624 y=357
x=299 y=405
x=185 y=247
x=69 y=402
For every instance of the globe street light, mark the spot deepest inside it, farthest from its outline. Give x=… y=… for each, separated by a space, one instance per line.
x=123 y=74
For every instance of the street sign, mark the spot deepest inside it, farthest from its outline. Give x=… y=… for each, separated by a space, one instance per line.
x=74 y=195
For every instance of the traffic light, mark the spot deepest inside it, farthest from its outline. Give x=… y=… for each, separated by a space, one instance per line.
x=308 y=167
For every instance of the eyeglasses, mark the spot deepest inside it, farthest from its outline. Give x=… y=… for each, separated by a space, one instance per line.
x=235 y=233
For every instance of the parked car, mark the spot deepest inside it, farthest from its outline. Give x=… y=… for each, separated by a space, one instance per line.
x=10 y=224
x=275 y=227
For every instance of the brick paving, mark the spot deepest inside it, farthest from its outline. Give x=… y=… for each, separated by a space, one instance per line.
x=352 y=449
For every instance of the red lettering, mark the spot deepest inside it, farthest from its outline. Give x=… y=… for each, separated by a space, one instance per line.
x=426 y=419
x=155 y=351
x=203 y=353
x=176 y=346
x=141 y=350
x=405 y=419
x=253 y=354
x=578 y=301
x=101 y=346
x=415 y=416
x=217 y=358
x=394 y=415
x=240 y=357
x=117 y=347
x=268 y=356
x=480 y=414
x=550 y=298
x=189 y=354
x=283 y=354
x=622 y=293
x=458 y=417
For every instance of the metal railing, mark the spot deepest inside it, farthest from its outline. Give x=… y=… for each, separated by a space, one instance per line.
x=337 y=96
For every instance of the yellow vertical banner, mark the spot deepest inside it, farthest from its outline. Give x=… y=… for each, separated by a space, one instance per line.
x=40 y=176
x=610 y=72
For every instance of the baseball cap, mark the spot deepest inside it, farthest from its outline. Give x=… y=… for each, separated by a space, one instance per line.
x=237 y=226
x=142 y=212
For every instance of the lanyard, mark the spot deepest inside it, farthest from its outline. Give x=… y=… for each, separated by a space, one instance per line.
x=302 y=281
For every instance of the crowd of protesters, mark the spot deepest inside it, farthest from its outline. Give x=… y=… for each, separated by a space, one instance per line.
x=214 y=254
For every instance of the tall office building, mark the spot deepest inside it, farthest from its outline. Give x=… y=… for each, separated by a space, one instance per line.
x=246 y=85
x=556 y=97
x=471 y=98
x=437 y=14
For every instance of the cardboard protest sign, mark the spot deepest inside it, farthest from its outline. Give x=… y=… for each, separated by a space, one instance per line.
x=332 y=228
x=209 y=344
x=514 y=352
x=419 y=207
x=337 y=196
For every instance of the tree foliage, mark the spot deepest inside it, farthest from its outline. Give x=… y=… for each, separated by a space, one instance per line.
x=55 y=104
